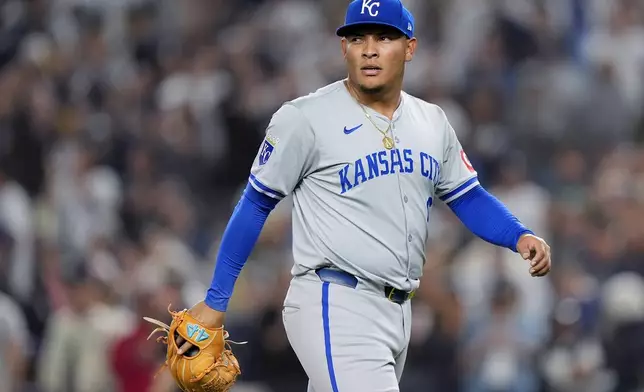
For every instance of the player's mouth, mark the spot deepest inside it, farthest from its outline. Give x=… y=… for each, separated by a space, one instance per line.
x=370 y=70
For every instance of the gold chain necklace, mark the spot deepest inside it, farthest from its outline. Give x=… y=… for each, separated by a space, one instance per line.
x=387 y=141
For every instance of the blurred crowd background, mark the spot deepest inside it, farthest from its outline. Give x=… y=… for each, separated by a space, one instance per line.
x=127 y=129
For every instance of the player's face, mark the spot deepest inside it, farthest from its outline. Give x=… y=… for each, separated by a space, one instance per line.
x=376 y=57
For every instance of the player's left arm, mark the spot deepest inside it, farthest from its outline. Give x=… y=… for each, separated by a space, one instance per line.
x=482 y=213
x=485 y=216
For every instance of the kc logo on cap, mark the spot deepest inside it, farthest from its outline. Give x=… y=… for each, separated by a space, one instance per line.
x=369 y=5
x=390 y=13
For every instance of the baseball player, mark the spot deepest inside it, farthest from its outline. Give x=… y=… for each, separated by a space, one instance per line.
x=365 y=163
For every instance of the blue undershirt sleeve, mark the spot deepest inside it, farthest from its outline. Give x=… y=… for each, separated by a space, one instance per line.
x=486 y=217
x=239 y=239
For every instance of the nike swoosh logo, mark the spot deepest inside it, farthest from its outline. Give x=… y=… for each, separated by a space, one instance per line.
x=350 y=130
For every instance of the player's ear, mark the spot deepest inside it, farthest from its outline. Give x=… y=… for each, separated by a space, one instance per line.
x=411 y=49
x=343 y=43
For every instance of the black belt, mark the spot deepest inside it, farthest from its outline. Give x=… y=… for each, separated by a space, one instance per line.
x=346 y=279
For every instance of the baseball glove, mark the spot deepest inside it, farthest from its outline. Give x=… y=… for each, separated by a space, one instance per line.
x=209 y=366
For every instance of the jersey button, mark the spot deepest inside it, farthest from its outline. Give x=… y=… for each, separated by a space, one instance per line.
x=409 y=238
x=405 y=199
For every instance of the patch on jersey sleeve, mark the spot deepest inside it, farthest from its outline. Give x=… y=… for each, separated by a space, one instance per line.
x=265 y=154
x=267 y=149
x=467 y=162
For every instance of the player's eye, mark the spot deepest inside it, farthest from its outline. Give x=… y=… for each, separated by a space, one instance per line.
x=356 y=39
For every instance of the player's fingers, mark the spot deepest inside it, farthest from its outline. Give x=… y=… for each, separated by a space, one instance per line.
x=184 y=347
x=527 y=254
x=542 y=268
x=543 y=271
x=538 y=254
x=545 y=260
x=538 y=258
x=180 y=343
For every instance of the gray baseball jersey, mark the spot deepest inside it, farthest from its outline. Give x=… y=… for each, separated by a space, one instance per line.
x=357 y=205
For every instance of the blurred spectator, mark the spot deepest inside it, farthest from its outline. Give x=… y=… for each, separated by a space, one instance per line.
x=16 y=217
x=623 y=329
x=499 y=356
x=87 y=196
x=619 y=44
x=14 y=345
x=574 y=358
x=15 y=337
x=75 y=355
x=433 y=359
x=135 y=359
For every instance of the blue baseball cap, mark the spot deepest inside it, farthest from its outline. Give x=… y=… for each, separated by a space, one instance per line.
x=390 y=13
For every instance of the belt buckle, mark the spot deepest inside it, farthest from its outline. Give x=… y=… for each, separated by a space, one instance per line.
x=391 y=294
x=406 y=296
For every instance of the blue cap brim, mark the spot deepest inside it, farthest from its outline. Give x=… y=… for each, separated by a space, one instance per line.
x=343 y=30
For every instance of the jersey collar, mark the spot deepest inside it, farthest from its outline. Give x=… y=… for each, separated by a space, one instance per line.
x=397 y=112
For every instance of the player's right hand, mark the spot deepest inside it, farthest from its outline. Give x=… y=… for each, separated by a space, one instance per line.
x=207 y=316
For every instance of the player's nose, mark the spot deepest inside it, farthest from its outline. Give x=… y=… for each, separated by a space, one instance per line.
x=370 y=49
